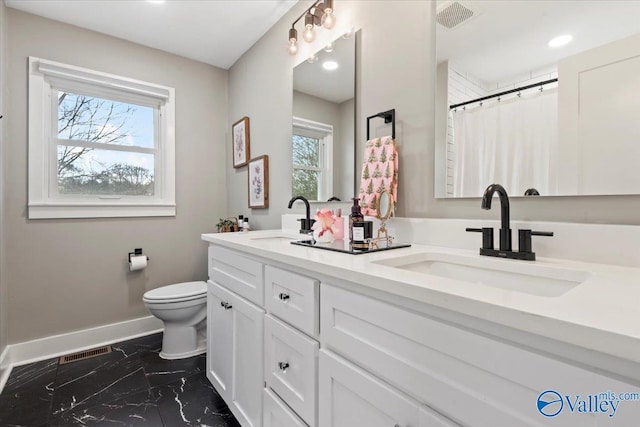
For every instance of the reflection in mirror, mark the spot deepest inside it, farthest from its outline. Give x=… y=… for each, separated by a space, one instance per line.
x=323 y=135
x=577 y=136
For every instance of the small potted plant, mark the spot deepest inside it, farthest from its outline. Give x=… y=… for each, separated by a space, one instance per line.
x=226 y=224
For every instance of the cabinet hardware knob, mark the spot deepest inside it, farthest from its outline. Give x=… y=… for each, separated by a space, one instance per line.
x=283 y=366
x=225 y=304
x=283 y=296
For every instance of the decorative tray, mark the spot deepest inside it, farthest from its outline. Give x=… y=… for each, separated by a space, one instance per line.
x=345 y=247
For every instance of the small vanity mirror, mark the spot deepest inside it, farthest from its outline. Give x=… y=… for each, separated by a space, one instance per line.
x=323 y=131
x=384 y=210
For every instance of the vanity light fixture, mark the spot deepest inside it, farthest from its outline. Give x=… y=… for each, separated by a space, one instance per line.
x=330 y=65
x=320 y=13
x=560 y=40
x=293 y=41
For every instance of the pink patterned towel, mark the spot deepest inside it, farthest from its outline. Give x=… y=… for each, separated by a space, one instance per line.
x=379 y=173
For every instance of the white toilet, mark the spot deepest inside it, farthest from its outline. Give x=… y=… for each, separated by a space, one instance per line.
x=183 y=309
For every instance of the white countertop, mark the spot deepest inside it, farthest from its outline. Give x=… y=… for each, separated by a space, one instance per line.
x=602 y=313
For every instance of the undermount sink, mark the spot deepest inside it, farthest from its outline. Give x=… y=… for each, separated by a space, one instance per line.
x=528 y=278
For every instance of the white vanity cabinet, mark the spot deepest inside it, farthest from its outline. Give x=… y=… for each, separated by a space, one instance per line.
x=287 y=349
x=234 y=337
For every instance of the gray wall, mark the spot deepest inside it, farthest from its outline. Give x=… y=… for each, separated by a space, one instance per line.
x=3 y=288
x=65 y=275
x=390 y=59
x=396 y=70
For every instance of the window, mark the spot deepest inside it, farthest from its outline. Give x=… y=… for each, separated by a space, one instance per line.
x=99 y=145
x=312 y=159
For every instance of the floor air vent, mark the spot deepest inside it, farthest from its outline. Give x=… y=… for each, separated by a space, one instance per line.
x=82 y=355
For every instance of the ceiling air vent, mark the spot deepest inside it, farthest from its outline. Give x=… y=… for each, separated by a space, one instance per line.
x=453 y=14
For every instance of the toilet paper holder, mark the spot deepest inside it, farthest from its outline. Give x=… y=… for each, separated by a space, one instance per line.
x=136 y=252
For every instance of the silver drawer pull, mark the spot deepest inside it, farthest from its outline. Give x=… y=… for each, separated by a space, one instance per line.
x=225 y=304
x=283 y=366
x=284 y=297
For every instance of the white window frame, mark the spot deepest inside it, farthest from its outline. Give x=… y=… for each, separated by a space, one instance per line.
x=324 y=133
x=48 y=77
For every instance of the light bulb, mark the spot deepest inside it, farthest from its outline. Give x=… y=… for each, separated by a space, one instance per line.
x=293 y=47
x=293 y=41
x=328 y=19
x=329 y=47
x=312 y=59
x=309 y=34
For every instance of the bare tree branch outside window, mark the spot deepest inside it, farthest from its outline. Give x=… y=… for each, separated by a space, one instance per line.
x=86 y=170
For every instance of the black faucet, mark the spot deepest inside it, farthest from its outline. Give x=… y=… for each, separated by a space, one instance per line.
x=505 y=230
x=307 y=222
x=524 y=236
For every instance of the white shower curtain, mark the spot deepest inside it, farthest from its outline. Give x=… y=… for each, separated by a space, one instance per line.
x=512 y=142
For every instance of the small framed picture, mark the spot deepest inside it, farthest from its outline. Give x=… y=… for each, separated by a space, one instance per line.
x=259 y=182
x=240 y=142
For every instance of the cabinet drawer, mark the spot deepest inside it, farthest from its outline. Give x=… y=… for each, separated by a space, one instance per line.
x=277 y=414
x=449 y=367
x=293 y=298
x=291 y=367
x=237 y=272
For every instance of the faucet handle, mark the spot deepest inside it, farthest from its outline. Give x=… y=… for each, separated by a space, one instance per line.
x=524 y=239
x=487 y=236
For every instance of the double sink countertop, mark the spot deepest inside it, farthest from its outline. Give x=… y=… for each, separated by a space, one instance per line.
x=593 y=306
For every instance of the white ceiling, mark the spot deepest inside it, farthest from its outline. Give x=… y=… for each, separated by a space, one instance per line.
x=509 y=38
x=216 y=32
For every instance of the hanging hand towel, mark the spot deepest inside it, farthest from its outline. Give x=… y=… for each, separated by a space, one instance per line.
x=379 y=173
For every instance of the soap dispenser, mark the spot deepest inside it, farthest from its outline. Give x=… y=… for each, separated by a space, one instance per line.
x=356 y=215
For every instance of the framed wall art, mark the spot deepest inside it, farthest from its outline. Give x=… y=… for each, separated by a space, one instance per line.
x=240 y=142
x=259 y=182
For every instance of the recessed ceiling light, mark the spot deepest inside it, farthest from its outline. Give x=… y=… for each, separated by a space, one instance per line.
x=560 y=40
x=330 y=65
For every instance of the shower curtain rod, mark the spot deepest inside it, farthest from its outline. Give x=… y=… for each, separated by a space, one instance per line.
x=506 y=92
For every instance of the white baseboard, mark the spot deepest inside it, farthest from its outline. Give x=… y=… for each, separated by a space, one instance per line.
x=5 y=367
x=58 y=345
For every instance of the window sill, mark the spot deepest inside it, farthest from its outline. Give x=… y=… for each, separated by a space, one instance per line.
x=59 y=211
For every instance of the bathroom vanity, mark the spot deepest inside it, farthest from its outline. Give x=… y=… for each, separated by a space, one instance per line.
x=419 y=336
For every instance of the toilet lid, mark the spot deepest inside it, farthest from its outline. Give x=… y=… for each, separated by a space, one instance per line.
x=179 y=290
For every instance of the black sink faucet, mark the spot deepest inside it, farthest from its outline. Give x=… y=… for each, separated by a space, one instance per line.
x=307 y=222
x=505 y=229
x=524 y=236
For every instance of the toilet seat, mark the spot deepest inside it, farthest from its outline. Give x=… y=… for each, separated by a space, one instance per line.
x=179 y=292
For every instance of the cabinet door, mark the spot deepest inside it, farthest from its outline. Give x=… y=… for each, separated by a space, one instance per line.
x=219 y=339
x=247 y=368
x=351 y=397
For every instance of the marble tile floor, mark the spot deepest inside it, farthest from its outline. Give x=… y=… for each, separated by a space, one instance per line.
x=131 y=386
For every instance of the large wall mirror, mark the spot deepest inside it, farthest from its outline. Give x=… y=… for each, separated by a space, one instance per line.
x=571 y=122
x=323 y=131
